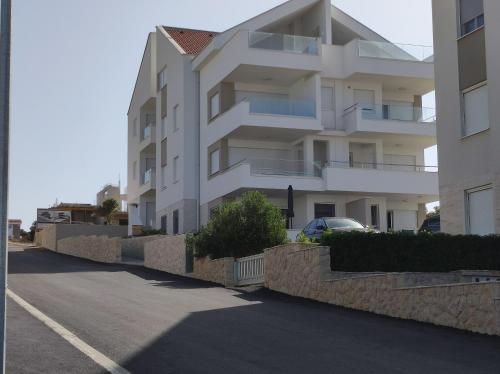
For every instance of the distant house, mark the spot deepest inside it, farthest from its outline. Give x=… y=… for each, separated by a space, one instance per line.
x=14 y=232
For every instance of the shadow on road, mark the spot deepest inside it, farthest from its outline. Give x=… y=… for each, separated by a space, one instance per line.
x=288 y=335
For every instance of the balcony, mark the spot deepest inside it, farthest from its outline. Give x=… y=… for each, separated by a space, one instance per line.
x=269 y=118
x=282 y=42
x=392 y=119
x=148 y=138
x=395 y=51
x=148 y=181
x=334 y=176
x=273 y=174
x=247 y=51
x=358 y=58
x=382 y=178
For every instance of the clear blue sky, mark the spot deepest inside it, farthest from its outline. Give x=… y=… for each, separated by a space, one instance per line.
x=74 y=65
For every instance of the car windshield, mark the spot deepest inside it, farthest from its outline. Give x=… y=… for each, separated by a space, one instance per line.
x=337 y=223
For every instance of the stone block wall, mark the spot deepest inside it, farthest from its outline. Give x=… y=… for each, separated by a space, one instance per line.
x=166 y=254
x=95 y=248
x=302 y=270
x=220 y=271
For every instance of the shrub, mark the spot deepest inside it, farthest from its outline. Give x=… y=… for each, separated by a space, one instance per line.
x=241 y=228
x=399 y=252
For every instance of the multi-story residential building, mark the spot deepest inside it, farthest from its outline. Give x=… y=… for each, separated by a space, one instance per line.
x=467 y=91
x=111 y=191
x=301 y=95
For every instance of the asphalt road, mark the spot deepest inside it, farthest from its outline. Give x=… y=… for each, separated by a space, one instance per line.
x=151 y=322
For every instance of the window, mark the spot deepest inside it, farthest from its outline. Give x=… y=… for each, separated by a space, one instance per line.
x=214 y=161
x=365 y=99
x=475 y=110
x=176 y=171
x=374 y=219
x=134 y=170
x=324 y=210
x=215 y=105
x=164 y=127
x=471 y=16
x=134 y=127
x=390 y=220
x=175 y=119
x=163 y=152
x=162 y=78
x=164 y=102
x=163 y=220
x=175 y=220
x=479 y=210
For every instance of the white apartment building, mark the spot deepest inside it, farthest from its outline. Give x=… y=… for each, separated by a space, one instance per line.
x=466 y=38
x=301 y=95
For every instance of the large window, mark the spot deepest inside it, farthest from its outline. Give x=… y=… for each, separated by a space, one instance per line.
x=374 y=216
x=324 y=210
x=214 y=161
x=480 y=214
x=475 y=108
x=163 y=127
x=164 y=101
x=164 y=223
x=471 y=16
x=215 y=105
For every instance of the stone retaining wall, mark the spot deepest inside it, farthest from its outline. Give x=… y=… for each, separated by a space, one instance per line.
x=95 y=248
x=301 y=270
x=220 y=271
x=166 y=254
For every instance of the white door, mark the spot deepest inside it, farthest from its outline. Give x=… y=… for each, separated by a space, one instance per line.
x=327 y=107
x=480 y=212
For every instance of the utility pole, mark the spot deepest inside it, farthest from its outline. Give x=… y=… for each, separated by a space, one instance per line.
x=5 y=25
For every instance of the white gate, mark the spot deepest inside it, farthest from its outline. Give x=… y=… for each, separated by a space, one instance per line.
x=249 y=270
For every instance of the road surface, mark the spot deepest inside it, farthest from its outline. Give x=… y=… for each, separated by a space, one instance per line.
x=152 y=322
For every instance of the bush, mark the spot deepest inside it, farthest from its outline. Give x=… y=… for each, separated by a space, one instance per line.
x=241 y=228
x=399 y=252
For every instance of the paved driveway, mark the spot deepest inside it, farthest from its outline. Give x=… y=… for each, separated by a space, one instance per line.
x=151 y=322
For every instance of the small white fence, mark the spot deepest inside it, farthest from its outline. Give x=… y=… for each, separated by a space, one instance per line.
x=249 y=270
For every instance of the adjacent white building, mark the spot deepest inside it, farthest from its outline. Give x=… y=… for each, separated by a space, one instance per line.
x=466 y=38
x=301 y=95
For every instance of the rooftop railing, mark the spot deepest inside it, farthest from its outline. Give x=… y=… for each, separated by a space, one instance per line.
x=281 y=167
x=283 y=42
x=395 y=51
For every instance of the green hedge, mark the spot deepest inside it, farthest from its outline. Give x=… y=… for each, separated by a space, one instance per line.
x=240 y=228
x=366 y=252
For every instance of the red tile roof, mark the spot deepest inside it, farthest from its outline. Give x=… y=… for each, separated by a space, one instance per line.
x=191 y=41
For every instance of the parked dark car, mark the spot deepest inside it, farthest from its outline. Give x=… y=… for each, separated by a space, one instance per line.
x=431 y=224
x=317 y=227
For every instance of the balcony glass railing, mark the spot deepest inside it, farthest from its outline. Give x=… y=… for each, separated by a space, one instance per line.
x=147 y=132
x=381 y=166
x=283 y=42
x=148 y=176
x=394 y=112
x=393 y=51
x=284 y=107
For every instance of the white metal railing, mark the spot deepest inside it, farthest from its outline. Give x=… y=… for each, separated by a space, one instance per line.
x=395 y=51
x=249 y=270
x=394 y=112
x=281 y=167
x=283 y=42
